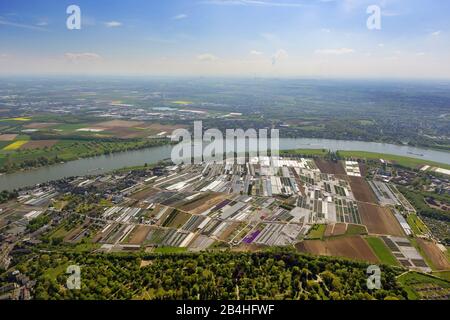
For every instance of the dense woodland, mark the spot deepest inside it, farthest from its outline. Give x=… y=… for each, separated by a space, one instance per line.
x=7 y=195
x=278 y=274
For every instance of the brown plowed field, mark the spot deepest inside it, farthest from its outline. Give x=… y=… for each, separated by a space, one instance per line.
x=361 y=190
x=379 y=220
x=329 y=167
x=348 y=247
x=203 y=203
x=228 y=231
x=7 y=137
x=437 y=257
x=337 y=229
x=363 y=169
x=144 y=194
x=176 y=220
x=139 y=234
x=38 y=144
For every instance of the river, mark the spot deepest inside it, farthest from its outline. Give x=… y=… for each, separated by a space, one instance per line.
x=105 y=163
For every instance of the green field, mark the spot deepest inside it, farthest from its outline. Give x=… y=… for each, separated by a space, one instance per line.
x=382 y=251
x=414 y=283
x=443 y=274
x=400 y=160
x=317 y=231
x=417 y=226
x=169 y=250
x=305 y=152
x=354 y=229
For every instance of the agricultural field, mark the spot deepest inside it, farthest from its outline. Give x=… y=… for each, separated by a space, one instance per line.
x=317 y=231
x=23 y=154
x=7 y=137
x=407 y=162
x=379 y=220
x=214 y=207
x=138 y=235
x=38 y=141
x=417 y=226
x=354 y=247
x=333 y=230
x=304 y=152
x=382 y=251
x=361 y=190
x=420 y=286
x=406 y=253
x=438 y=257
x=15 y=145
x=39 y=144
x=330 y=167
x=354 y=229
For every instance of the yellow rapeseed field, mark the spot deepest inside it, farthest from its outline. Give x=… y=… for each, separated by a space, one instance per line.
x=16 y=119
x=15 y=145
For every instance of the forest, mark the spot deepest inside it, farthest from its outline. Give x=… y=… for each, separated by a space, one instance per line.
x=274 y=274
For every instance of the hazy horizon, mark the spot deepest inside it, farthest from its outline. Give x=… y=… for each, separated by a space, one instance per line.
x=227 y=38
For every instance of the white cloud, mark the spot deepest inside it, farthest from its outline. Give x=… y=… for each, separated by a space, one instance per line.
x=381 y=45
x=113 y=24
x=83 y=56
x=281 y=54
x=325 y=30
x=256 y=53
x=20 y=25
x=207 y=57
x=436 y=33
x=339 y=51
x=160 y=40
x=180 y=16
x=42 y=23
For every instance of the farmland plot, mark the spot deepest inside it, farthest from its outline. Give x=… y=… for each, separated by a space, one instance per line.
x=434 y=254
x=361 y=190
x=379 y=220
x=330 y=167
x=349 y=247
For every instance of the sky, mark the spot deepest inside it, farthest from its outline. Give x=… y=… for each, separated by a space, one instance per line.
x=256 y=38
